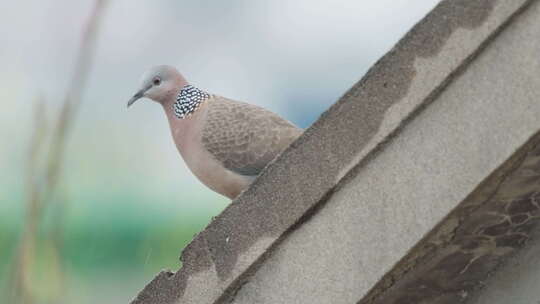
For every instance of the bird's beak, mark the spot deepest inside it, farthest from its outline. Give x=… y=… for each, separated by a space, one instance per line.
x=138 y=95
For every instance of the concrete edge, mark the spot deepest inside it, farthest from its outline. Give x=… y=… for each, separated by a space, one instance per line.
x=222 y=256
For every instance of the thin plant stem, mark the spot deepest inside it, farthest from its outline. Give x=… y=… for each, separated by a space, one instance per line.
x=42 y=184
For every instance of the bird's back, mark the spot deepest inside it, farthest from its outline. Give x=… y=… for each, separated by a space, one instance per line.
x=245 y=137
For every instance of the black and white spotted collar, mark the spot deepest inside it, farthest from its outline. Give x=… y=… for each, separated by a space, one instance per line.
x=188 y=101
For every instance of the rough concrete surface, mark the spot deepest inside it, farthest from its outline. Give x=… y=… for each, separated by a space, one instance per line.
x=397 y=197
x=339 y=208
x=517 y=282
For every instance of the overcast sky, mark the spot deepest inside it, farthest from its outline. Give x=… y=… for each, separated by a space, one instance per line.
x=295 y=57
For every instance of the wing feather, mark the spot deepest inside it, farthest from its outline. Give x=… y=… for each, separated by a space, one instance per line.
x=245 y=137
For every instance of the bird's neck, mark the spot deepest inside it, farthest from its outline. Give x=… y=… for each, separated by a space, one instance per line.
x=188 y=101
x=180 y=104
x=183 y=110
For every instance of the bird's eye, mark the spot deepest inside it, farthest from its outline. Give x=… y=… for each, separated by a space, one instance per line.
x=156 y=81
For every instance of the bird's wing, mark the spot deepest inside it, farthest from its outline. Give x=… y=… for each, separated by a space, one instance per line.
x=245 y=137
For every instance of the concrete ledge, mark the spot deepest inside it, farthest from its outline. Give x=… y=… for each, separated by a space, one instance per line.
x=341 y=153
x=458 y=257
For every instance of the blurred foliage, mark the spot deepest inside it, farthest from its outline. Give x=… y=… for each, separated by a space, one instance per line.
x=112 y=238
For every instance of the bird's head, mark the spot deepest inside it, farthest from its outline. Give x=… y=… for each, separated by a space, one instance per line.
x=159 y=83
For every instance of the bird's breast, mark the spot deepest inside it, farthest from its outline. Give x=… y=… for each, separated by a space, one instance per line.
x=187 y=135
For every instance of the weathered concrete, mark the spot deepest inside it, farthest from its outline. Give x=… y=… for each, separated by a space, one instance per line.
x=518 y=281
x=329 y=220
x=414 y=182
x=458 y=259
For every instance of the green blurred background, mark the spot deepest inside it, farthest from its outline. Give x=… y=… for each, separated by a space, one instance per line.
x=125 y=204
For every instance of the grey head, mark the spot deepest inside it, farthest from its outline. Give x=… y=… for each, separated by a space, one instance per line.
x=160 y=83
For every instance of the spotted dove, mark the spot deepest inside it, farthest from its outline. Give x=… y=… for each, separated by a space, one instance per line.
x=225 y=143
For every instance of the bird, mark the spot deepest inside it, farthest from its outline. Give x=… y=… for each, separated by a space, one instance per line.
x=225 y=143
